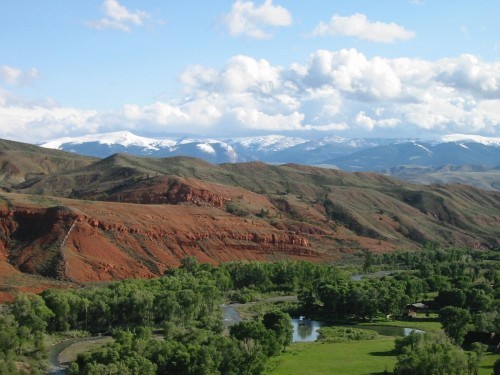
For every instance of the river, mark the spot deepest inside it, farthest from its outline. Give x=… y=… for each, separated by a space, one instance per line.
x=57 y=364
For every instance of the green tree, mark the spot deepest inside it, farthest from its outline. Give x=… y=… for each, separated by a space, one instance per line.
x=31 y=311
x=451 y=297
x=307 y=300
x=280 y=323
x=454 y=321
x=429 y=354
x=255 y=333
x=9 y=339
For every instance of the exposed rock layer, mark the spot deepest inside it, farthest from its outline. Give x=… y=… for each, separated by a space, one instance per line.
x=96 y=241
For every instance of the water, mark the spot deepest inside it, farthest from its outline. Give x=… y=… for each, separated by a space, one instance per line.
x=57 y=368
x=378 y=274
x=229 y=315
x=305 y=330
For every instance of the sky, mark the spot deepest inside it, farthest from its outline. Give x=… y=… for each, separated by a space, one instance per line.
x=164 y=68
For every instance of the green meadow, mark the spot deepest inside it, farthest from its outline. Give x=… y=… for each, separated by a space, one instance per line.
x=346 y=358
x=353 y=357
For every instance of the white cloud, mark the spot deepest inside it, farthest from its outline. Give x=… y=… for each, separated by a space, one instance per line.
x=469 y=73
x=332 y=91
x=119 y=17
x=365 y=121
x=349 y=71
x=16 y=76
x=359 y=26
x=247 y=19
x=257 y=120
x=37 y=123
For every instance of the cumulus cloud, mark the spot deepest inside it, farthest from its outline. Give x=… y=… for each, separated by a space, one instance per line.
x=16 y=76
x=365 y=121
x=119 y=17
x=247 y=19
x=469 y=73
x=341 y=91
x=351 y=72
x=331 y=91
x=360 y=27
x=38 y=123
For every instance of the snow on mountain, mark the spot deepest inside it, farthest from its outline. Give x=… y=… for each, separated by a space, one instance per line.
x=422 y=146
x=487 y=141
x=268 y=143
x=372 y=154
x=123 y=138
x=206 y=147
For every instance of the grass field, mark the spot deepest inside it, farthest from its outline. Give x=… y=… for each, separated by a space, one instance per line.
x=355 y=357
x=486 y=366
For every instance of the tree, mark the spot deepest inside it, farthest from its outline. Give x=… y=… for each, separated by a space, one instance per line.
x=429 y=354
x=279 y=322
x=190 y=264
x=31 y=311
x=478 y=300
x=475 y=356
x=307 y=300
x=9 y=339
x=368 y=261
x=454 y=321
x=255 y=333
x=452 y=297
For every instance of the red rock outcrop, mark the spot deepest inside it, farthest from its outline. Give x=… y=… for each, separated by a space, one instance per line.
x=92 y=241
x=170 y=190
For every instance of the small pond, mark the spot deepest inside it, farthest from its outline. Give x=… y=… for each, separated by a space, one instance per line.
x=305 y=330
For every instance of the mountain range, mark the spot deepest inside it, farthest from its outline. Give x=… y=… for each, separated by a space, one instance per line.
x=363 y=154
x=472 y=160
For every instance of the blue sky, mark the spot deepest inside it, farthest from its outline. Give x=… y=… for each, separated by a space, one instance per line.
x=399 y=68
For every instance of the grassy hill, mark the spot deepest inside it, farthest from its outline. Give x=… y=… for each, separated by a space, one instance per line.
x=25 y=163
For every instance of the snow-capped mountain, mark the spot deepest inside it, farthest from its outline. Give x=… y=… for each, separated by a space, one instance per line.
x=464 y=138
x=419 y=153
x=106 y=144
x=361 y=154
x=268 y=143
x=123 y=138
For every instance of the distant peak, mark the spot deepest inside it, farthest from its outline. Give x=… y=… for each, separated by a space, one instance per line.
x=490 y=141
